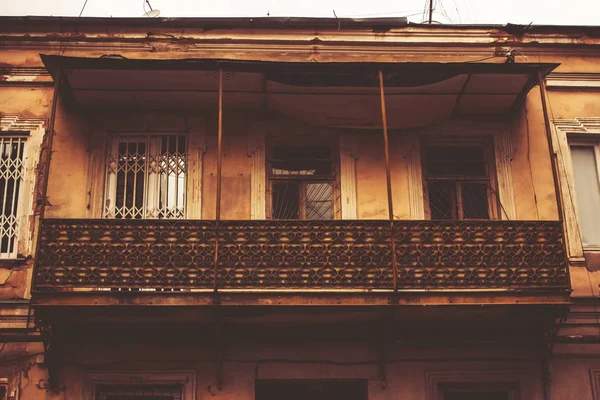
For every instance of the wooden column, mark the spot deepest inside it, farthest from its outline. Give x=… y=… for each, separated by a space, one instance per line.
x=219 y=173
x=388 y=178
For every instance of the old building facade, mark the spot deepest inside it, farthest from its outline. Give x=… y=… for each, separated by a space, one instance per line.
x=298 y=208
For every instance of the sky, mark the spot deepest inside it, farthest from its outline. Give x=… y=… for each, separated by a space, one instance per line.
x=551 y=12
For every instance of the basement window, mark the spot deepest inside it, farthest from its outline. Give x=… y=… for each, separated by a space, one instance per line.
x=139 y=392
x=12 y=149
x=146 y=177
x=302 y=180
x=458 y=182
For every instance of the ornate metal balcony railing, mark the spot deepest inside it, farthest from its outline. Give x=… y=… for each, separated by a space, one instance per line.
x=341 y=254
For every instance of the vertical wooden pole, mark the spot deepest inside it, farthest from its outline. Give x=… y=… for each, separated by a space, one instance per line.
x=219 y=166
x=388 y=176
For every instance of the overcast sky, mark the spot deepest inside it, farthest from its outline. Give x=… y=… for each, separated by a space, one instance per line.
x=561 y=12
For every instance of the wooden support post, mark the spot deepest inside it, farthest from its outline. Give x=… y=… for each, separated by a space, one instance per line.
x=388 y=176
x=219 y=173
x=553 y=157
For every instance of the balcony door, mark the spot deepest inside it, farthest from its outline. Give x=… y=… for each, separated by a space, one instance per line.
x=330 y=389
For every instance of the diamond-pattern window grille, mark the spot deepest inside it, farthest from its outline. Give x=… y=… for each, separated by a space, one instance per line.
x=11 y=176
x=146 y=177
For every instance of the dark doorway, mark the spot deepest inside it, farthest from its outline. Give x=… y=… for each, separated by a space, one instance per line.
x=329 y=389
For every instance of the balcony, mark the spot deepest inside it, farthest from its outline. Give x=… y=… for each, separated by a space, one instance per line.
x=339 y=255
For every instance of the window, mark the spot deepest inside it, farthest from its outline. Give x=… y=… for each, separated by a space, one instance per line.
x=458 y=182
x=587 y=187
x=323 y=389
x=12 y=149
x=139 y=392
x=146 y=177
x=302 y=182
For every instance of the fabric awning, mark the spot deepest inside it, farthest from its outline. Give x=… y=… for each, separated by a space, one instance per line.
x=325 y=94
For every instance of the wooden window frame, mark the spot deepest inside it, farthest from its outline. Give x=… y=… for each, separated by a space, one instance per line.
x=595 y=144
x=304 y=179
x=486 y=143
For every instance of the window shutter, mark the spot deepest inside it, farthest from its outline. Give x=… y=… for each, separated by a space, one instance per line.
x=258 y=174
x=348 y=157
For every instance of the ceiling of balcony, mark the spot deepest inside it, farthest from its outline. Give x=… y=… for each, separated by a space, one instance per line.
x=323 y=94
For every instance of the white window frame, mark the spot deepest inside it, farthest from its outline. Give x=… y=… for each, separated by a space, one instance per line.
x=151 y=176
x=595 y=144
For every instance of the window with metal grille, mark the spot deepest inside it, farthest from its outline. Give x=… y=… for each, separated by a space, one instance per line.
x=11 y=176
x=457 y=182
x=139 y=392
x=302 y=183
x=146 y=177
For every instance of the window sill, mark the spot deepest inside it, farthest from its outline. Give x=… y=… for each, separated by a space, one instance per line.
x=13 y=262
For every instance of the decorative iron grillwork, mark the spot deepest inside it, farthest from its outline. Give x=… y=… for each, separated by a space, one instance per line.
x=338 y=254
x=11 y=174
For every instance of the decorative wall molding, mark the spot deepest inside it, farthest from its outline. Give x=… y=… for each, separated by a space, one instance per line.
x=578 y=125
x=348 y=157
x=573 y=80
x=16 y=123
x=25 y=75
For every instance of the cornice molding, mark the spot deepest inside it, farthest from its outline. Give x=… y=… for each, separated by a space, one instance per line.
x=578 y=125
x=25 y=75
x=15 y=123
x=573 y=80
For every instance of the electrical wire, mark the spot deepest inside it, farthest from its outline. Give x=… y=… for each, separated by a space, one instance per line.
x=61 y=49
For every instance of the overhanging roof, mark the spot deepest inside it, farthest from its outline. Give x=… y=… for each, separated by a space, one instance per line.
x=339 y=94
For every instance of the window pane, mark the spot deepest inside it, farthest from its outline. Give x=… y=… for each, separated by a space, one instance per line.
x=587 y=193
x=442 y=199
x=474 y=201
x=319 y=201
x=286 y=200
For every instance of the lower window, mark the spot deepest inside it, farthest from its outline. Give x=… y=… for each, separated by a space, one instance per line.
x=139 y=392
x=355 y=389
